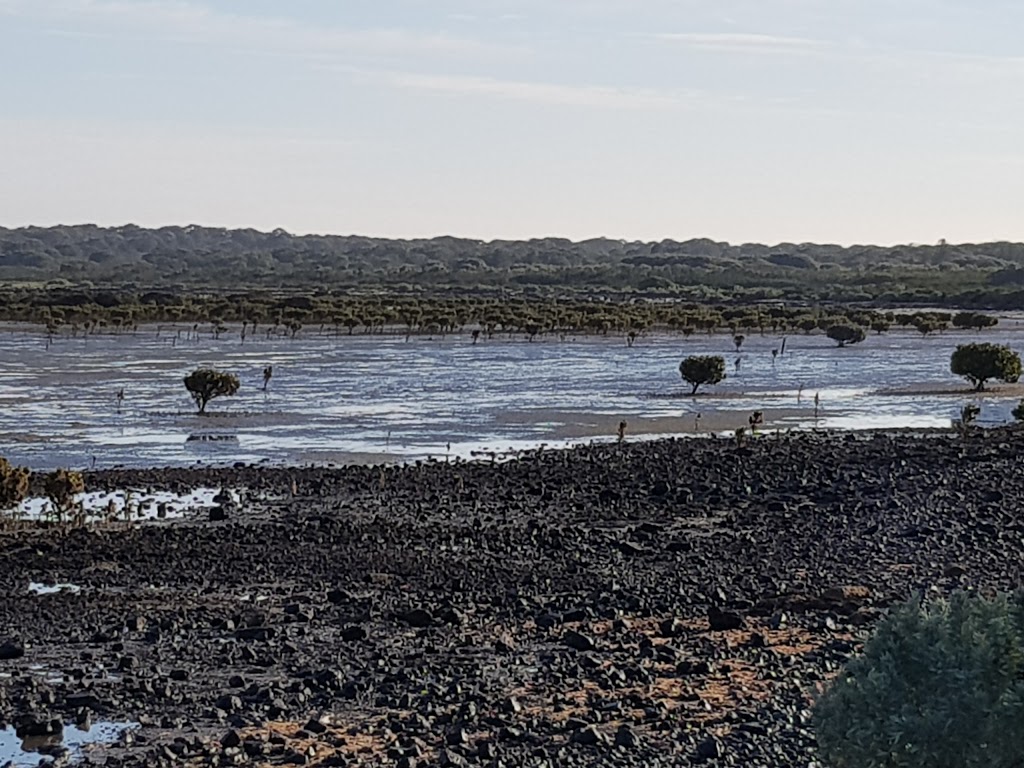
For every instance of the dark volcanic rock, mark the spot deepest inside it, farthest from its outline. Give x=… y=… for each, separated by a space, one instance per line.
x=723 y=621
x=578 y=641
x=417 y=617
x=552 y=609
x=11 y=649
x=352 y=634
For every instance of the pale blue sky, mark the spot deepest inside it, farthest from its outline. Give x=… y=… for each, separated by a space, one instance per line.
x=742 y=120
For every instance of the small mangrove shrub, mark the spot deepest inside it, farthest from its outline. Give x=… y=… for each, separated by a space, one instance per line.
x=938 y=686
x=14 y=485
x=61 y=487
x=1018 y=411
x=204 y=384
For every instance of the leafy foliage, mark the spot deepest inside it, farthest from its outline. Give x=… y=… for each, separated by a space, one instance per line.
x=938 y=686
x=980 y=362
x=1018 y=411
x=14 y=484
x=974 y=320
x=60 y=487
x=88 y=311
x=204 y=384
x=702 y=369
x=846 y=334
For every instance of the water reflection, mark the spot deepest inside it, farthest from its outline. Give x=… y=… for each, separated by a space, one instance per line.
x=332 y=397
x=136 y=505
x=28 y=749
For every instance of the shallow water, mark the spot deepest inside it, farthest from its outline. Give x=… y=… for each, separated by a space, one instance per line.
x=38 y=588
x=23 y=753
x=143 y=505
x=331 y=397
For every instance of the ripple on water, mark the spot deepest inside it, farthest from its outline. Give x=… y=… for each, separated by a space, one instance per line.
x=345 y=394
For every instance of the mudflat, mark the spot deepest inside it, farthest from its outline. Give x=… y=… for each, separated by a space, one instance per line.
x=671 y=602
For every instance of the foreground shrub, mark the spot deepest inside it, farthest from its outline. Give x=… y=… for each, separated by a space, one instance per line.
x=14 y=483
x=61 y=487
x=1018 y=411
x=936 y=687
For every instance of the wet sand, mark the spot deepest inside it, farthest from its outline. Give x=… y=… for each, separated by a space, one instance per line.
x=579 y=426
x=993 y=389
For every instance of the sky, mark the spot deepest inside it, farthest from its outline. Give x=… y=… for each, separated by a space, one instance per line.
x=841 y=121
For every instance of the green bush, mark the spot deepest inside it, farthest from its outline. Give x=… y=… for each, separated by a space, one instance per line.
x=980 y=362
x=937 y=686
x=204 y=384
x=843 y=334
x=14 y=484
x=702 y=369
x=1018 y=411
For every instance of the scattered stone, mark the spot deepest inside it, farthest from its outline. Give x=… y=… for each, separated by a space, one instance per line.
x=10 y=650
x=724 y=621
x=578 y=641
x=353 y=634
x=418 y=618
x=588 y=737
x=709 y=749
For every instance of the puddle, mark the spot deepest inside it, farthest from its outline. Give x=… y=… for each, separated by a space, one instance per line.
x=40 y=671
x=141 y=505
x=36 y=588
x=34 y=750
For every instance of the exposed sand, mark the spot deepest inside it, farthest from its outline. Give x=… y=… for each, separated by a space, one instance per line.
x=568 y=425
x=958 y=389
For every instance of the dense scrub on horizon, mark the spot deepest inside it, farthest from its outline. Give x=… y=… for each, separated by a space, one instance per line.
x=989 y=275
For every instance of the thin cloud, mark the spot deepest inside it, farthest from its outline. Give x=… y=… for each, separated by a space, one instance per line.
x=187 y=21
x=603 y=97
x=896 y=59
x=746 y=43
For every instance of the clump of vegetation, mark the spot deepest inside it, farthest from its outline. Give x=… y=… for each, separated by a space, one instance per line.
x=968 y=415
x=697 y=370
x=975 y=276
x=14 y=484
x=1018 y=411
x=978 y=363
x=846 y=334
x=974 y=321
x=205 y=384
x=61 y=487
x=937 y=686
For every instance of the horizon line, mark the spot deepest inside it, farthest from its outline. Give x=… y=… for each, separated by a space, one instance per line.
x=450 y=236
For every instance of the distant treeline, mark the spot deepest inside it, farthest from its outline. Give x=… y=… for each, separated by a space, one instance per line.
x=987 y=275
x=80 y=311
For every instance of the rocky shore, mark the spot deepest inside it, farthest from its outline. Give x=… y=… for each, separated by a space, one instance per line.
x=667 y=603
